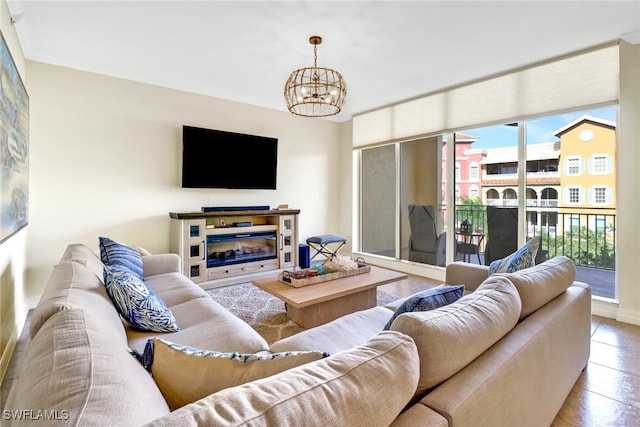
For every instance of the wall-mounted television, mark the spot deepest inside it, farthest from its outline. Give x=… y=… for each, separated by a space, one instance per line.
x=220 y=159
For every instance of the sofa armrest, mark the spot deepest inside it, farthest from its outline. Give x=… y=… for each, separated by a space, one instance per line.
x=161 y=263
x=467 y=274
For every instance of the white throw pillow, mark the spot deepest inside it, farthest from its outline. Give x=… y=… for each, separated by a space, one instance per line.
x=186 y=374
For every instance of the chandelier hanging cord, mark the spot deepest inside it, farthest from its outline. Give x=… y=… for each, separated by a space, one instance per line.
x=315 y=41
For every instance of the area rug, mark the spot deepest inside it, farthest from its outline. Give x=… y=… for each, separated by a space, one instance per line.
x=264 y=312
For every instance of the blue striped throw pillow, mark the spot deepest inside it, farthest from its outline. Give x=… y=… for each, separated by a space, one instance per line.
x=136 y=303
x=428 y=300
x=119 y=255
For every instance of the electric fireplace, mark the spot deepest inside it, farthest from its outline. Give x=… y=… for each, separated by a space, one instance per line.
x=237 y=248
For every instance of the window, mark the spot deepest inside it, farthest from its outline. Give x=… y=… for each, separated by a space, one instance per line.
x=473 y=172
x=600 y=163
x=574 y=221
x=378 y=200
x=600 y=195
x=509 y=168
x=567 y=184
x=474 y=192
x=392 y=178
x=573 y=166
x=574 y=195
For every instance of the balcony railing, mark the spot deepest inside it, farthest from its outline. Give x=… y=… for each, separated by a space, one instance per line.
x=543 y=203
x=585 y=236
x=502 y=202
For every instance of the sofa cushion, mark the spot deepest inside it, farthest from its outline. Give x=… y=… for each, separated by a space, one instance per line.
x=206 y=324
x=540 y=284
x=76 y=367
x=450 y=337
x=365 y=386
x=174 y=288
x=120 y=255
x=428 y=300
x=153 y=265
x=185 y=374
x=75 y=284
x=524 y=257
x=137 y=304
x=341 y=334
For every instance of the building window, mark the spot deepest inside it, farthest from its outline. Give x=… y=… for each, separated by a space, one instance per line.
x=600 y=163
x=575 y=221
x=573 y=166
x=574 y=195
x=474 y=192
x=473 y=172
x=457 y=172
x=600 y=195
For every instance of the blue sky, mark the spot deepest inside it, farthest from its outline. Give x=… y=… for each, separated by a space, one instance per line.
x=538 y=130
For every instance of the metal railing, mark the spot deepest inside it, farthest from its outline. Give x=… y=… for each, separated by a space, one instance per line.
x=585 y=235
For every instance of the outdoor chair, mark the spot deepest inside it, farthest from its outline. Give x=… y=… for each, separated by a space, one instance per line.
x=502 y=235
x=425 y=244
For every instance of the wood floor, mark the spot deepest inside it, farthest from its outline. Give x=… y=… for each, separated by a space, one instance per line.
x=607 y=393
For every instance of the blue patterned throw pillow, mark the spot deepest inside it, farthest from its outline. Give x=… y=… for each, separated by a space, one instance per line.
x=136 y=303
x=524 y=257
x=120 y=255
x=429 y=300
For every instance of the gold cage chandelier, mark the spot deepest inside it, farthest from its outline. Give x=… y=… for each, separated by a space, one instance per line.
x=315 y=91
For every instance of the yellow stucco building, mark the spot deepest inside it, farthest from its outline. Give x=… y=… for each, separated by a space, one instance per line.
x=587 y=173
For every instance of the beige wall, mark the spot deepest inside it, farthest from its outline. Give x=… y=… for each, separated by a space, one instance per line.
x=105 y=160
x=13 y=310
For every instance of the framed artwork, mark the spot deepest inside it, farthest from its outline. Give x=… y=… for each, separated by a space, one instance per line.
x=14 y=147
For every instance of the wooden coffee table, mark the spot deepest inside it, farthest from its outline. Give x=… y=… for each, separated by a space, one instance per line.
x=323 y=302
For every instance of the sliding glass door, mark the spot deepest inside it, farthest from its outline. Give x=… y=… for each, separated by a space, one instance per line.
x=553 y=177
x=401 y=201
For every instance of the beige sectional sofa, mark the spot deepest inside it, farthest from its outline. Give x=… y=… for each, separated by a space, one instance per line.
x=507 y=353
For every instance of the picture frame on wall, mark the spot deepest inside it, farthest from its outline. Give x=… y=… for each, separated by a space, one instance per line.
x=14 y=146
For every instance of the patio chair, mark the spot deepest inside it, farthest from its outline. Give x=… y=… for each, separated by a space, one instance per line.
x=425 y=244
x=502 y=233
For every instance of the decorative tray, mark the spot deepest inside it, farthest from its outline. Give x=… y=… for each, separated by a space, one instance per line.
x=291 y=277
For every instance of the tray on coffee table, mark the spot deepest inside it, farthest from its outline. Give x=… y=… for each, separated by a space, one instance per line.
x=285 y=276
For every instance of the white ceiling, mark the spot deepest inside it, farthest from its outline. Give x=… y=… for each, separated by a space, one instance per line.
x=387 y=51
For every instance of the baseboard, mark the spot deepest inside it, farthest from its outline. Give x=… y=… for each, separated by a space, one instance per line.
x=611 y=310
x=423 y=270
x=628 y=316
x=7 y=353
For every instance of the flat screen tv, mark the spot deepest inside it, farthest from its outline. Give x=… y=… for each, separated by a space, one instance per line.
x=220 y=159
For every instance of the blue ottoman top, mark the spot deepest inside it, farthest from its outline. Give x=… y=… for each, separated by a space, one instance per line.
x=326 y=238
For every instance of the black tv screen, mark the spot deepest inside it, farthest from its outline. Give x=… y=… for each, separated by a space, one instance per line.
x=219 y=159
